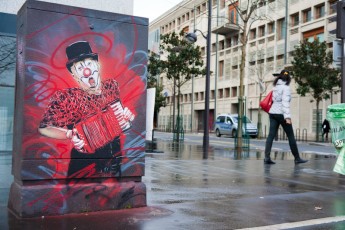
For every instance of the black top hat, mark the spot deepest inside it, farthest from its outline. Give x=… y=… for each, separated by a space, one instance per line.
x=79 y=51
x=283 y=72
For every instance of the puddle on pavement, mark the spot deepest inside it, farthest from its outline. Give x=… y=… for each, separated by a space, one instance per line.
x=183 y=151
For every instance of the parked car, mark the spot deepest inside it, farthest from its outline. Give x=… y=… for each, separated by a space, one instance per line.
x=226 y=124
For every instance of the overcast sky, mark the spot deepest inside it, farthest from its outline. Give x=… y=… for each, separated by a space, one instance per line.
x=153 y=8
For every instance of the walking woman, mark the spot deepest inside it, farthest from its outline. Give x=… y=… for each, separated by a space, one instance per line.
x=280 y=115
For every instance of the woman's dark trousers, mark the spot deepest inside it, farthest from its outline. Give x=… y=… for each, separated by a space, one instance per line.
x=275 y=121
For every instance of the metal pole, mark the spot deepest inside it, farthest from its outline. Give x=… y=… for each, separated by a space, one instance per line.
x=286 y=30
x=207 y=84
x=341 y=34
x=343 y=71
x=216 y=71
x=192 y=96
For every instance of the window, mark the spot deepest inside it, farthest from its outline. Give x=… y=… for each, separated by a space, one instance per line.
x=213 y=47
x=253 y=33
x=261 y=31
x=281 y=28
x=320 y=11
x=221 y=119
x=332 y=6
x=270 y=59
x=203 y=7
x=221 y=45
x=227 y=92
x=294 y=19
x=306 y=15
x=221 y=69
x=235 y=41
x=280 y=57
x=314 y=34
x=187 y=16
x=198 y=10
x=233 y=13
x=220 y=93
x=271 y=27
x=228 y=120
x=228 y=42
x=233 y=91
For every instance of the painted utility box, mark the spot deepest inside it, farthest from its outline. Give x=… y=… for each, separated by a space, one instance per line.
x=79 y=135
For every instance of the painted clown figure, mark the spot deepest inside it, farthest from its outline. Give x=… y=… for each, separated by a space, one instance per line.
x=91 y=116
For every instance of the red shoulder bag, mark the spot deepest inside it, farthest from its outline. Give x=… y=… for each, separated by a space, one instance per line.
x=266 y=103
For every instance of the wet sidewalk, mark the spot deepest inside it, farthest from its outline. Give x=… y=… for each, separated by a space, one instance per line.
x=226 y=191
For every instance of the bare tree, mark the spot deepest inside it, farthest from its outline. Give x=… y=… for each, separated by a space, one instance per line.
x=248 y=13
x=257 y=74
x=7 y=54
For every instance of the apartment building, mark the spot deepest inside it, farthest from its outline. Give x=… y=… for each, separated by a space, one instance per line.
x=270 y=43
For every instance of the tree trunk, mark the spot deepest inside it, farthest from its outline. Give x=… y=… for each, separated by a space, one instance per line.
x=174 y=102
x=241 y=93
x=178 y=128
x=317 y=121
x=259 y=119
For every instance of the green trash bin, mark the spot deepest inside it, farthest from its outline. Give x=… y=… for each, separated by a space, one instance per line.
x=336 y=118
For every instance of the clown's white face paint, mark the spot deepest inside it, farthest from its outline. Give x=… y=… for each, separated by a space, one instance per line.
x=86 y=73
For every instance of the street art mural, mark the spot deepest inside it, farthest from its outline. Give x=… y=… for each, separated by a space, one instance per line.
x=80 y=111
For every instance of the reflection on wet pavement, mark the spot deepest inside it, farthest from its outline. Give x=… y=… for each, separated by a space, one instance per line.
x=229 y=190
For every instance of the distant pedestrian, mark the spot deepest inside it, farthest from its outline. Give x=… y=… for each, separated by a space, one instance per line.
x=325 y=129
x=279 y=114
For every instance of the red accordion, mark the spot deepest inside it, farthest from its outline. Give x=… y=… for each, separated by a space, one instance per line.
x=99 y=129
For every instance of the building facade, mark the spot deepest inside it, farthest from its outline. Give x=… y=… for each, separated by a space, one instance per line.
x=8 y=51
x=270 y=42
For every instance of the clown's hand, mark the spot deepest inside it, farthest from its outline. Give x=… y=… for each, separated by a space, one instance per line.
x=123 y=115
x=128 y=115
x=77 y=142
x=118 y=110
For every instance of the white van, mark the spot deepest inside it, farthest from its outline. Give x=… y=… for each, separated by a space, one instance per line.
x=226 y=124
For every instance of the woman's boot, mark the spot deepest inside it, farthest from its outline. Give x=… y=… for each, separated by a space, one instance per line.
x=299 y=160
x=268 y=160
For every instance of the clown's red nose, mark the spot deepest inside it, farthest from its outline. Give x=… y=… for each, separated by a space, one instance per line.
x=86 y=72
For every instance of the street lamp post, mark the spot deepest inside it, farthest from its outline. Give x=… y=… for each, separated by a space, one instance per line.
x=192 y=38
x=251 y=109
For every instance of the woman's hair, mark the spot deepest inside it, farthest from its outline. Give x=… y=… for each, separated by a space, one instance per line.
x=284 y=76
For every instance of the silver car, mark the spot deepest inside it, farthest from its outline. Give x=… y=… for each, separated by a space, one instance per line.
x=226 y=124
